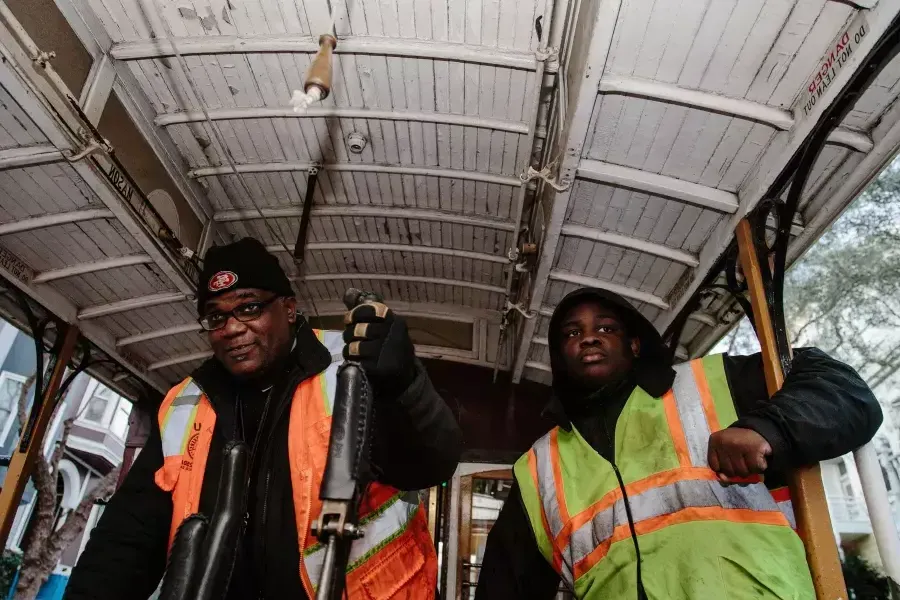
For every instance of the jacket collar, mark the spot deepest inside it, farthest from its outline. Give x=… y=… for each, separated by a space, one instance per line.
x=307 y=358
x=656 y=380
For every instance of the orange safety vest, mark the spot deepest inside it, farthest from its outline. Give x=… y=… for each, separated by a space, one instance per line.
x=394 y=559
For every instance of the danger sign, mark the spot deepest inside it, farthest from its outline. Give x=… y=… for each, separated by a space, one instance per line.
x=832 y=63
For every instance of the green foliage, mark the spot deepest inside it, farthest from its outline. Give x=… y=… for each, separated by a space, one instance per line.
x=9 y=564
x=843 y=295
x=863 y=581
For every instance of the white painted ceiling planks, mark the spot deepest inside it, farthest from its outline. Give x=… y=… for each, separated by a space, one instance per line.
x=687 y=113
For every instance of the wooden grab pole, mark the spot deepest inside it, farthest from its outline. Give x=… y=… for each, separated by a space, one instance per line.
x=22 y=462
x=807 y=491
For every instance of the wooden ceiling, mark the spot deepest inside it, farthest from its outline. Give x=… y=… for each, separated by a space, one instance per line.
x=624 y=137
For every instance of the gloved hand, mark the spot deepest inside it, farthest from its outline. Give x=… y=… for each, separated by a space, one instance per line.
x=379 y=340
x=737 y=454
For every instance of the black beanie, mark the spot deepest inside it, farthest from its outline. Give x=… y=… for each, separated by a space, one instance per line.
x=240 y=265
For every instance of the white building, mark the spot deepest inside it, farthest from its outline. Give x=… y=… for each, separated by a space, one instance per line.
x=846 y=502
x=95 y=445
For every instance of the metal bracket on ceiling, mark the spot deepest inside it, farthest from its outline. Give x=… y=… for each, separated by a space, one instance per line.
x=92 y=147
x=43 y=57
x=549 y=55
x=543 y=174
x=510 y=307
x=513 y=255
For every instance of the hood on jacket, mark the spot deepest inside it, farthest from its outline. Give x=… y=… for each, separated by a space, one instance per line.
x=652 y=371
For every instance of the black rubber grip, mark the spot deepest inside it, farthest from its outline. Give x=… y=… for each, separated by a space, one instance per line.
x=349 y=441
x=220 y=545
x=186 y=555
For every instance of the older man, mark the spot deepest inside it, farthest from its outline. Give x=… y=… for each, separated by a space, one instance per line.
x=271 y=383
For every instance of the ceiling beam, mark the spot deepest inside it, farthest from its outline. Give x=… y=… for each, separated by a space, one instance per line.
x=704 y=318
x=658 y=185
x=159 y=333
x=406 y=48
x=538 y=366
x=97 y=89
x=855 y=140
x=74 y=216
x=139 y=108
x=422 y=352
x=399 y=277
x=93 y=35
x=381 y=212
x=830 y=203
x=180 y=359
x=230 y=114
x=45 y=97
x=622 y=290
x=629 y=243
x=280 y=167
x=64 y=309
x=673 y=94
x=114 y=308
x=431 y=310
x=92 y=267
x=778 y=118
x=681 y=352
x=780 y=152
x=594 y=39
x=369 y=246
x=435 y=354
x=29 y=156
x=699 y=316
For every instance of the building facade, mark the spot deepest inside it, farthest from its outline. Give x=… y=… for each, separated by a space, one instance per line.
x=846 y=502
x=95 y=445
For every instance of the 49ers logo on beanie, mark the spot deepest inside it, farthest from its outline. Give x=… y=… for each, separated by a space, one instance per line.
x=222 y=280
x=244 y=264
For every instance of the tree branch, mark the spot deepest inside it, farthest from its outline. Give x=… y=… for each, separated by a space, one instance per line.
x=22 y=405
x=76 y=520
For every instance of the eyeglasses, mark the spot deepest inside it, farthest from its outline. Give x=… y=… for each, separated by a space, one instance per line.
x=244 y=313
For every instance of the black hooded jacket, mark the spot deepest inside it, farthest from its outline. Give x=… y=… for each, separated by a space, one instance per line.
x=823 y=410
x=417 y=445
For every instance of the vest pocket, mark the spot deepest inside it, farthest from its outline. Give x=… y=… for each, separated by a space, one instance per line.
x=393 y=569
x=167 y=475
x=742 y=584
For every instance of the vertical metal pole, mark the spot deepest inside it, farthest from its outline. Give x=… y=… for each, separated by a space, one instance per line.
x=883 y=526
x=22 y=461
x=807 y=491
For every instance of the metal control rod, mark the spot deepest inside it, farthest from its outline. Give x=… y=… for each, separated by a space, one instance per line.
x=346 y=470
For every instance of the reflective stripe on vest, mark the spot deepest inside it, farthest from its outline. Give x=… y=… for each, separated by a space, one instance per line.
x=379 y=529
x=396 y=558
x=691 y=492
x=179 y=420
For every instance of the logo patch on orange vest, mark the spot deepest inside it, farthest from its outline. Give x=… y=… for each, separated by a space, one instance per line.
x=192 y=445
x=222 y=280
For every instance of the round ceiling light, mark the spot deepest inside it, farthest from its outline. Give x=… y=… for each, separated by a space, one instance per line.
x=356 y=142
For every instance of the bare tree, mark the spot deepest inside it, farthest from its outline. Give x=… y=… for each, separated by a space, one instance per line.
x=47 y=538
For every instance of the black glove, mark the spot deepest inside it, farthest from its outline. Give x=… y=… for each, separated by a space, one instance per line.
x=379 y=340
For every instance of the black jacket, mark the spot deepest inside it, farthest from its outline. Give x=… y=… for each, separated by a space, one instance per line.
x=824 y=410
x=417 y=444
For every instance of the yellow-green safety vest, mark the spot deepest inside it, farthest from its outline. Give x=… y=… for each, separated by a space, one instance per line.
x=698 y=539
